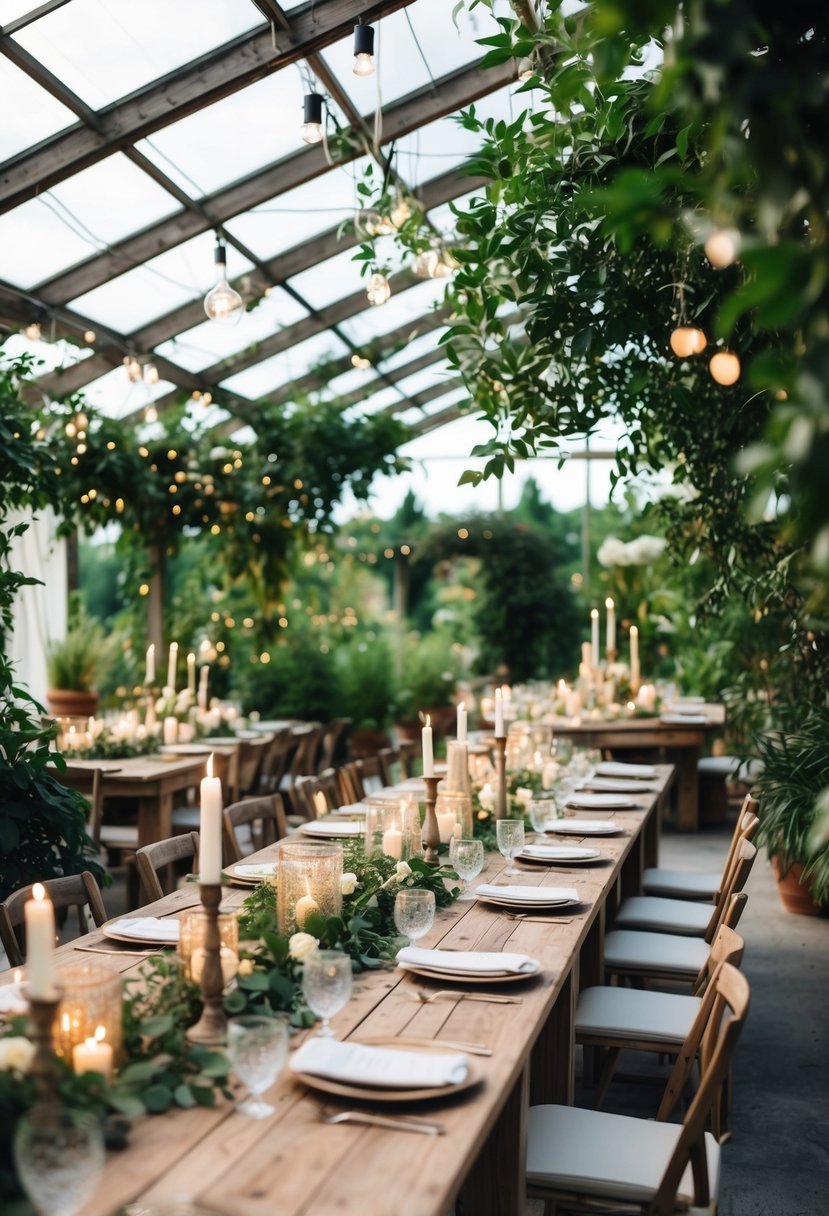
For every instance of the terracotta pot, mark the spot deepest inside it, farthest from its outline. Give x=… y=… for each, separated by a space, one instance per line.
x=72 y=703
x=794 y=896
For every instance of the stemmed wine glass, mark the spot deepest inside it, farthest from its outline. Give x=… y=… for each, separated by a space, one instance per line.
x=510 y=834
x=468 y=861
x=59 y=1155
x=414 y=912
x=563 y=791
x=326 y=985
x=544 y=814
x=257 y=1048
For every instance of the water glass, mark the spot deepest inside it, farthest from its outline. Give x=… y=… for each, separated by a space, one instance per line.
x=59 y=1155
x=326 y=985
x=561 y=749
x=510 y=833
x=563 y=791
x=257 y=1048
x=544 y=814
x=468 y=861
x=414 y=913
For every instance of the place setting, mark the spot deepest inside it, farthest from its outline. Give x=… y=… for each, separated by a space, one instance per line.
x=250 y=874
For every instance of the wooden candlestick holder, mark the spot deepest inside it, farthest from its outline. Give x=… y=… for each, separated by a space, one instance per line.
x=211 y=1028
x=44 y=1066
x=431 y=832
x=501 y=776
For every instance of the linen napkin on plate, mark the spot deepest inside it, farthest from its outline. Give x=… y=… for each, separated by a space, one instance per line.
x=12 y=1000
x=263 y=870
x=529 y=895
x=475 y=961
x=558 y=852
x=327 y=827
x=385 y=1067
x=147 y=928
x=617 y=768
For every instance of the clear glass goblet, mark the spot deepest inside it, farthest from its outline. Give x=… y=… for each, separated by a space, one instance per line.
x=510 y=834
x=326 y=985
x=414 y=912
x=257 y=1048
x=563 y=791
x=544 y=814
x=468 y=863
x=59 y=1155
x=561 y=749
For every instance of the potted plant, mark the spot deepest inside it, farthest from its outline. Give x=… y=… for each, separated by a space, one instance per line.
x=73 y=664
x=791 y=790
x=431 y=670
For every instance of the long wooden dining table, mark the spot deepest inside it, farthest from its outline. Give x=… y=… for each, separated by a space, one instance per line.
x=294 y=1164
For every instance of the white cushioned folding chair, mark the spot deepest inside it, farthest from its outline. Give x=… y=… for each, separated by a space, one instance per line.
x=702 y=884
x=591 y=1161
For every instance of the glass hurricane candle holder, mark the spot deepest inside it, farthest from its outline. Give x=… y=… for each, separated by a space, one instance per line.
x=453 y=809
x=92 y=998
x=191 y=944
x=457 y=767
x=393 y=828
x=308 y=878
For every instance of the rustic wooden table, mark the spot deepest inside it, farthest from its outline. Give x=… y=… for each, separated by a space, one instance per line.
x=295 y=1165
x=155 y=782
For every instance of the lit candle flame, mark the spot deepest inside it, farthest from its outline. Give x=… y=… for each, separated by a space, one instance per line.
x=210 y=765
x=100 y=1033
x=428 y=720
x=38 y=891
x=609 y=603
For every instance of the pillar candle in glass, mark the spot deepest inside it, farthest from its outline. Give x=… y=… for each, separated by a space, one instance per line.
x=611 y=625
x=210 y=828
x=170 y=731
x=93 y=1055
x=311 y=873
x=91 y=997
x=453 y=808
x=39 y=914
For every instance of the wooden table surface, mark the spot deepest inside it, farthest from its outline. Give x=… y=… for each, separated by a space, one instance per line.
x=156 y=782
x=292 y=1164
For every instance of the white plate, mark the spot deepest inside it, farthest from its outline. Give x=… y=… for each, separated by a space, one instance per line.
x=110 y=929
x=618 y=768
x=601 y=802
x=585 y=827
x=684 y=719
x=570 y=854
x=321 y=827
x=469 y=977
x=542 y=905
x=251 y=875
x=351 y=810
x=185 y=749
x=618 y=785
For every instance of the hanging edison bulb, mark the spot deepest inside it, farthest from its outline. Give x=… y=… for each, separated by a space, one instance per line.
x=33 y=331
x=723 y=247
x=363 y=50
x=151 y=374
x=134 y=373
x=425 y=263
x=378 y=290
x=311 y=129
x=725 y=367
x=400 y=212
x=360 y=361
x=223 y=303
x=151 y=414
x=687 y=340
x=89 y=336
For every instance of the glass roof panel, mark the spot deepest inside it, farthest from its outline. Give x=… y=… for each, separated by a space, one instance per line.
x=329 y=280
x=296 y=216
x=348 y=382
x=33 y=116
x=412 y=350
x=403 y=306
x=426 y=378
x=105 y=51
x=157 y=287
x=378 y=401
x=116 y=396
x=37 y=244
x=52 y=355
x=234 y=137
x=287 y=365
x=10 y=10
x=208 y=343
x=428 y=151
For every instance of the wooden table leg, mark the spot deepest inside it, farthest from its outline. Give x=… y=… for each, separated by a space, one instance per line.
x=497 y=1183
x=687 y=788
x=552 y=1063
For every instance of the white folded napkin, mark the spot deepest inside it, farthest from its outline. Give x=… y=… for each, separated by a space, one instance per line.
x=146 y=928
x=529 y=895
x=263 y=870
x=385 y=1067
x=599 y=802
x=351 y=808
x=620 y=785
x=12 y=1000
x=320 y=827
x=681 y=719
x=477 y=961
x=558 y=852
x=617 y=768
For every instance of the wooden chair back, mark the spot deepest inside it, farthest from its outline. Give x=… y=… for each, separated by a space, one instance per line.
x=79 y=891
x=734 y=911
x=334 y=744
x=304 y=763
x=153 y=858
x=350 y=782
x=89 y=783
x=275 y=761
x=720 y=1020
x=734 y=882
x=745 y=828
x=251 y=758
x=252 y=824
x=317 y=795
x=371 y=774
x=391 y=768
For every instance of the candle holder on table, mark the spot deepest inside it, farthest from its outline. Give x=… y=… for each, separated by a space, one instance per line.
x=211 y=1028
x=44 y=1066
x=431 y=832
x=192 y=946
x=501 y=776
x=91 y=996
x=393 y=828
x=308 y=880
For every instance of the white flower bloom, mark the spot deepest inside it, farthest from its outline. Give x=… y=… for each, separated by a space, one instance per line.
x=402 y=870
x=15 y=1054
x=613 y=552
x=524 y=795
x=301 y=945
x=486 y=797
x=348 y=883
x=645 y=549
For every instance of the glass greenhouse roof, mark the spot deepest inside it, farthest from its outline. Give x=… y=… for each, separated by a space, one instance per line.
x=132 y=135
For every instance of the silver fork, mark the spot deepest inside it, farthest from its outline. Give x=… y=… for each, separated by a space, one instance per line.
x=540 y=920
x=489 y=997
x=398 y=1125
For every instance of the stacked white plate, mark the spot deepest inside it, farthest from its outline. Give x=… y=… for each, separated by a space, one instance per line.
x=526 y=897
x=326 y=828
x=601 y=802
x=563 y=854
x=252 y=873
x=682 y=719
x=617 y=768
x=585 y=827
x=475 y=963
x=620 y=785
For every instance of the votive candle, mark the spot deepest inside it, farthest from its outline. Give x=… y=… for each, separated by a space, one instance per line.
x=93 y=1055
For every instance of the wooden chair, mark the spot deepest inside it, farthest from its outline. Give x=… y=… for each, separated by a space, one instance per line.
x=252 y=824
x=78 y=891
x=317 y=795
x=590 y=1161
x=350 y=782
x=153 y=858
x=362 y=777
x=252 y=753
x=697 y=884
x=658 y=914
x=275 y=761
x=616 y=1019
x=112 y=840
x=334 y=744
x=391 y=768
x=309 y=736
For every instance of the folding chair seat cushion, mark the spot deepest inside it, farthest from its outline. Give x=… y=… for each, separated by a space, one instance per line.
x=636 y=950
x=680 y=884
x=660 y=915
x=615 y=1156
x=635 y=1014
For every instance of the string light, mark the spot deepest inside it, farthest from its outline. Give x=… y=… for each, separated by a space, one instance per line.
x=378 y=290
x=436 y=262
x=311 y=129
x=151 y=374
x=363 y=50
x=361 y=362
x=151 y=414
x=89 y=336
x=135 y=372
x=725 y=367
x=371 y=222
x=401 y=211
x=223 y=303
x=687 y=340
x=32 y=331
x=722 y=247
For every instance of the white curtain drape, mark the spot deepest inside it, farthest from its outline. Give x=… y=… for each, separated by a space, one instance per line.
x=40 y=611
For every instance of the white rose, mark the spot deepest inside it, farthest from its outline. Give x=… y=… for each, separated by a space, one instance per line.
x=348 y=883
x=486 y=797
x=16 y=1054
x=645 y=549
x=245 y=967
x=402 y=871
x=524 y=795
x=301 y=945
x=613 y=552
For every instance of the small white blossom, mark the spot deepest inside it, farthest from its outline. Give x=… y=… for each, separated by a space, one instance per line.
x=15 y=1054
x=245 y=967
x=486 y=797
x=301 y=945
x=524 y=795
x=645 y=549
x=613 y=552
x=348 y=883
x=402 y=871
